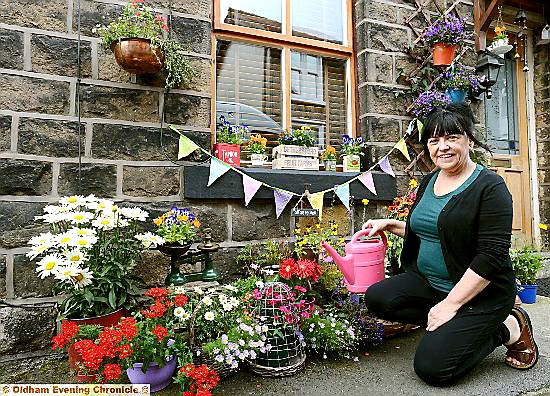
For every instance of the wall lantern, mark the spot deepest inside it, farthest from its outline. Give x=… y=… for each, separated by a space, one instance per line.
x=489 y=67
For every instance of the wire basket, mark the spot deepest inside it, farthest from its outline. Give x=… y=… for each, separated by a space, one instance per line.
x=286 y=354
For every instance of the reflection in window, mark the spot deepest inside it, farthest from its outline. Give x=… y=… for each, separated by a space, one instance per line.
x=248 y=86
x=264 y=15
x=501 y=112
x=318 y=19
x=306 y=77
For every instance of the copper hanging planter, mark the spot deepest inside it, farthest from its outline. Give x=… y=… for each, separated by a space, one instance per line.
x=138 y=56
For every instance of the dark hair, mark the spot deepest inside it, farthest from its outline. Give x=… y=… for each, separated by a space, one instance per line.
x=450 y=119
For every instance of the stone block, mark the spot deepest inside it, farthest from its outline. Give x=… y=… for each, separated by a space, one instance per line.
x=187 y=110
x=52 y=369
x=50 y=97
x=11 y=42
x=5 y=133
x=26 y=330
x=226 y=264
x=17 y=223
x=47 y=15
x=26 y=282
x=544 y=175
x=96 y=179
x=404 y=66
x=202 y=78
x=153 y=268
x=385 y=38
x=119 y=103
x=93 y=13
x=54 y=55
x=3 y=291
x=383 y=129
x=383 y=12
x=379 y=68
x=193 y=34
x=258 y=221
x=384 y=100
x=136 y=143
x=109 y=70
x=150 y=181
x=49 y=137
x=543 y=133
x=21 y=177
x=542 y=106
x=201 y=8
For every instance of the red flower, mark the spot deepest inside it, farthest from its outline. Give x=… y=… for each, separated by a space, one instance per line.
x=68 y=331
x=286 y=268
x=124 y=351
x=111 y=371
x=180 y=300
x=128 y=328
x=157 y=292
x=160 y=332
x=109 y=338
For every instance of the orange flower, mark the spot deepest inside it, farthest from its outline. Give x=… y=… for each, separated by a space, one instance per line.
x=499 y=30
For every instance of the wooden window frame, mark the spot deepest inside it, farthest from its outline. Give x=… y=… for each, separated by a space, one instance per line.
x=286 y=42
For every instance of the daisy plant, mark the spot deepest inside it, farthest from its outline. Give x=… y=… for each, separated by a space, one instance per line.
x=90 y=250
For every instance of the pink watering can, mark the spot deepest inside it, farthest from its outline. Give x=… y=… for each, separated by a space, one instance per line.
x=363 y=264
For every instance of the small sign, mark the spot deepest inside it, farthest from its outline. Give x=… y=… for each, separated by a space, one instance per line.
x=304 y=212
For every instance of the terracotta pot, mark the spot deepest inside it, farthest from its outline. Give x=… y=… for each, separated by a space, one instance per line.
x=75 y=358
x=443 y=54
x=138 y=56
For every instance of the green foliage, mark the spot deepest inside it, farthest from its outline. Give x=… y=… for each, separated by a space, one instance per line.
x=302 y=136
x=178 y=225
x=327 y=335
x=228 y=133
x=262 y=259
x=526 y=262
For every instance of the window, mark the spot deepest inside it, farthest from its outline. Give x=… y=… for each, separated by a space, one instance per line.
x=281 y=64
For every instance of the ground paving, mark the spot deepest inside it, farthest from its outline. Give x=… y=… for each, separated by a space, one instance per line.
x=388 y=371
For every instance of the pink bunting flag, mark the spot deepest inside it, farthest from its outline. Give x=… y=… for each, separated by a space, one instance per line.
x=386 y=167
x=368 y=181
x=282 y=198
x=250 y=186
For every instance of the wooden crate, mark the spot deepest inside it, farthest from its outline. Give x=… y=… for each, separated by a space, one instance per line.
x=295 y=157
x=287 y=150
x=295 y=163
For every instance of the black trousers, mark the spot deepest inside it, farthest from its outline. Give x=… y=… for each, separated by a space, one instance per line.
x=449 y=352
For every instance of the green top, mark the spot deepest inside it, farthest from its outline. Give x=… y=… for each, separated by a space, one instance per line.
x=431 y=262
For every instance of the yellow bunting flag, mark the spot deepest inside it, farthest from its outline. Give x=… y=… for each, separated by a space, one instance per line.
x=316 y=201
x=420 y=127
x=543 y=227
x=186 y=146
x=402 y=146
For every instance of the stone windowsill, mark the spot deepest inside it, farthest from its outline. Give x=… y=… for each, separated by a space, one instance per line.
x=229 y=185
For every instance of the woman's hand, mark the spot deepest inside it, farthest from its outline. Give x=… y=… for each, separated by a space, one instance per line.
x=440 y=314
x=396 y=227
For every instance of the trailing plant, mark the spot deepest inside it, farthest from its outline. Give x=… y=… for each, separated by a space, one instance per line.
x=447 y=29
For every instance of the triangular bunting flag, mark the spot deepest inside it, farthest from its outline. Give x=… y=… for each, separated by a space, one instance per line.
x=368 y=181
x=217 y=168
x=402 y=146
x=410 y=128
x=186 y=147
x=316 y=201
x=386 y=167
x=282 y=198
x=420 y=127
x=343 y=193
x=250 y=187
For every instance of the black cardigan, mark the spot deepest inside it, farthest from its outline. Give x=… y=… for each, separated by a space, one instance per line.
x=475 y=229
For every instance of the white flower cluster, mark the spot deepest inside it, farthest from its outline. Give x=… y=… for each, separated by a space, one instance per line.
x=78 y=223
x=252 y=338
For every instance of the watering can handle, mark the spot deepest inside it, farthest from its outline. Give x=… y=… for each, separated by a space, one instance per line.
x=360 y=233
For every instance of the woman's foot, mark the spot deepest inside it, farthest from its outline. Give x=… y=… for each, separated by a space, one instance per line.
x=522 y=352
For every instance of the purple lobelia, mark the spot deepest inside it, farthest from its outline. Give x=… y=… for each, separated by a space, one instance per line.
x=447 y=29
x=427 y=101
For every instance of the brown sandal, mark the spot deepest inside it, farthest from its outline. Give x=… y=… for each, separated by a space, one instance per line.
x=524 y=350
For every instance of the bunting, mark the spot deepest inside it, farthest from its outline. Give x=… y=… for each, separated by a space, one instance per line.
x=186 y=146
x=386 y=167
x=342 y=191
x=250 y=187
x=316 y=201
x=402 y=146
x=217 y=168
x=282 y=198
x=367 y=179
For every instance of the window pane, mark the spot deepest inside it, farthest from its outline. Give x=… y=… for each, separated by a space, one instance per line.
x=501 y=112
x=264 y=15
x=321 y=103
x=248 y=87
x=318 y=19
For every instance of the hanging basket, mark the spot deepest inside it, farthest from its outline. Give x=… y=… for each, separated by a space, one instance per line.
x=457 y=95
x=138 y=55
x=443 y=54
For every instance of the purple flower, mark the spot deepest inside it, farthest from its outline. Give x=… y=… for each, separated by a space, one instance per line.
x=427 y=101
x=447 y=29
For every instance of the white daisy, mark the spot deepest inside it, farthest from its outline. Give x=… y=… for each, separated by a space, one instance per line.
x=227 y=307
x=81 y=232
x=222 y=297
x=104 y=223
x=36 y=250
x=198 y=290
x=209 y=315
x=51 y=218
x=85 y=242
x=234 y=301
x=231 y=287
x=49 y=265
x=82 y=278
x=186 y=316
x=66 y=239
x=134 y=213
x=150 y=240
x=207 y=300
x=103 y=205
x=179 y=290
x=66 y=272
x=178 y=312
x=80 y=217
x=42 y=239
x=73 y=201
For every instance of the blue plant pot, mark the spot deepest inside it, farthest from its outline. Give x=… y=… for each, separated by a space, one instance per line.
x=456 y=95
x=528 y=293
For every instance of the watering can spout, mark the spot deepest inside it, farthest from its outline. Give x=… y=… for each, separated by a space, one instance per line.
x=345 y=264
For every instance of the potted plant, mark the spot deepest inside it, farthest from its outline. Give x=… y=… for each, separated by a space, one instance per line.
x=179 y=229
x=262 y=259
x=91 y=249
x=444 y=34
x=296 y=150
x=352 y=149
x=196 y=380
x=499 y=45
x=458 y=81
x=257 y=148
x=427 y=101
x=329 y=156
x=526 y=262
x=140 y=44
x=228 y=141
